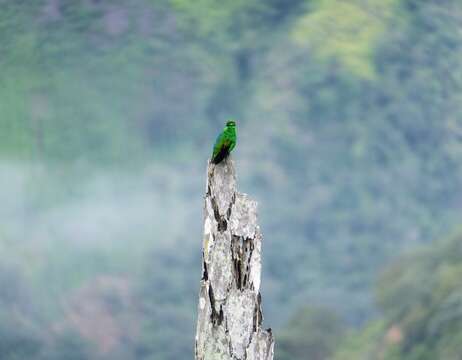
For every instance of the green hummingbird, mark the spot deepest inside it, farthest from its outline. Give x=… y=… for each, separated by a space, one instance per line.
x=225 y=143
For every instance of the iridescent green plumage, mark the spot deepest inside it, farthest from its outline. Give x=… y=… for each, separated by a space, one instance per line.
x=225 y=143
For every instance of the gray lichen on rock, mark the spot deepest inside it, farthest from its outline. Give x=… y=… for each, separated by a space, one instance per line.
x=229 y=323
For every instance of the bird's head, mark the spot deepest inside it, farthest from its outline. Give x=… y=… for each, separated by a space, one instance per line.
x=231 y=123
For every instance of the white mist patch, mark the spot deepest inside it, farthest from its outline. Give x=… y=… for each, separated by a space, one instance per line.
x=41 y=206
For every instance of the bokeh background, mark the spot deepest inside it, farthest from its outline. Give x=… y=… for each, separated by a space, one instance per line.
x=350 y=137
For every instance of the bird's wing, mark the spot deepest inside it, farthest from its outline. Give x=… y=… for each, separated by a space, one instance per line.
x=232 y=144
x=218 y=144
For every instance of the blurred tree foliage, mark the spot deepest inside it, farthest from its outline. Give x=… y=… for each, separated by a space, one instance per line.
x=313 y=332
x=420 y=296
x=350 y=134
x=348 y=32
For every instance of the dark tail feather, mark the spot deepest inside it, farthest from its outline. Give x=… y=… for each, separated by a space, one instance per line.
x=224 y=152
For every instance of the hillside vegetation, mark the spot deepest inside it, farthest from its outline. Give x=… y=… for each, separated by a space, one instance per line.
x=420 y=298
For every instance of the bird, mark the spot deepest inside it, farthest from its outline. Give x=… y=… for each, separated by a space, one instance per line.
x=225 y=143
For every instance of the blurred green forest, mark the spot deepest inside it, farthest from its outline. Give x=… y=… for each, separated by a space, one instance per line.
x=349 y=135
x=420 y=298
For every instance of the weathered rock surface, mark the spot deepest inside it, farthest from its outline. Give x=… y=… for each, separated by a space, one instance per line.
x=229 y=324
